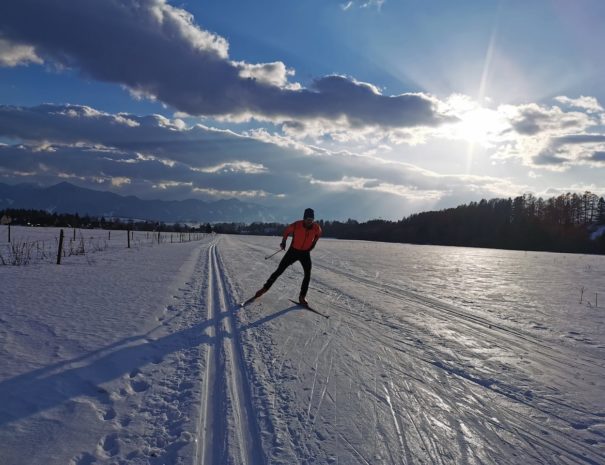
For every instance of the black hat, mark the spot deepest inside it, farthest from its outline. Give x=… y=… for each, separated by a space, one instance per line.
x=309 y=213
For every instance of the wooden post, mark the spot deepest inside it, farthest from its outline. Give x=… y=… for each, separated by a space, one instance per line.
x=9 y=232
x=108 y=235
x=60 y=247
x=128 y=233
x=74 y=234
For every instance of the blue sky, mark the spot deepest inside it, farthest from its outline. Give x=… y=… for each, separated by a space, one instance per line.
x=360 y=109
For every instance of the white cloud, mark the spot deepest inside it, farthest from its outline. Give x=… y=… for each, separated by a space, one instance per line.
x=533 y=119
x=170 y=184
x=589 y=104
x=551 y=138
x=238 y=166
x=119 y=181
x=572 y=188
x=364 y=184
x=363 y=4
x=273 y=74
x=13 y=54
x=223 y=193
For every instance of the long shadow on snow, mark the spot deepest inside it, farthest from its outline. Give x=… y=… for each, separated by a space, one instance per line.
x=52 y=385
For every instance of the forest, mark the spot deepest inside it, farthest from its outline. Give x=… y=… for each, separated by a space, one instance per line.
x=559 y=224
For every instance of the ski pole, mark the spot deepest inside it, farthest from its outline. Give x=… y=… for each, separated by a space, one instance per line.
x=269 y=256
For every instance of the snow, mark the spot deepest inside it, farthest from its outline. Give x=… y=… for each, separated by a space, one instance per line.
x=437 y=355
x=598 y=232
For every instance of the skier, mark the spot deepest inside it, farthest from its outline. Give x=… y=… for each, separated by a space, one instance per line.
x=305 y=234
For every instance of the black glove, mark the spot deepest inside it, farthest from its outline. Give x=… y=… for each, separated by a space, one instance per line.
x=283 y=245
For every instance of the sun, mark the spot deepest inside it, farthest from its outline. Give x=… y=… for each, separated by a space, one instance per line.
x=481 y=126
x=475 y=123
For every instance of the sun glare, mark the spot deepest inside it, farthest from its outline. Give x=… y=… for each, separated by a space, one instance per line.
x=475 y=124
x=480 y=126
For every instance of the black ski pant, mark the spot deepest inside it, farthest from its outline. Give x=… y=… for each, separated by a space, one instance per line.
x=293 y=255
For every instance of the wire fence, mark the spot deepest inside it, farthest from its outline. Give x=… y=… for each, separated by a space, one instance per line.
x=22 y=245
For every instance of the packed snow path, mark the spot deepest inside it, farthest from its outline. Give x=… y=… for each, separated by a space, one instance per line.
x=431 y=355
x=228 y=425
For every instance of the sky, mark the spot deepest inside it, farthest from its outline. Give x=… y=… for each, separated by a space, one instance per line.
x=358 y=109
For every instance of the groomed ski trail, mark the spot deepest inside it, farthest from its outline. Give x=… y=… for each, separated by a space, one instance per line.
x=228 y=432
x=398 y=376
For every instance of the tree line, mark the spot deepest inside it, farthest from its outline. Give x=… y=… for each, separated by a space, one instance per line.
x=23 y=217
x=559 y=224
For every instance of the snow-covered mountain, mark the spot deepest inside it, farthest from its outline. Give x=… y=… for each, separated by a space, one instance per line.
x=67 y=198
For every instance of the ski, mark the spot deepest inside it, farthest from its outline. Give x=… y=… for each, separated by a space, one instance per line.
x=308 y=308
x=249 y=301
x=258 y=294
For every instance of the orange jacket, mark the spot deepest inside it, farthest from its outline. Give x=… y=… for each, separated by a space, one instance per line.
x=303 y=238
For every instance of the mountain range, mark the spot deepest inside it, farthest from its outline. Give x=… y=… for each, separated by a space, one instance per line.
x=68 y=198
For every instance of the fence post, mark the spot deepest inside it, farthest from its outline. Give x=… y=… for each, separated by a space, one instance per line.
x=128 y=233
x=108 y=235
x=74 y=233
x=9 y=232
x=60 y=247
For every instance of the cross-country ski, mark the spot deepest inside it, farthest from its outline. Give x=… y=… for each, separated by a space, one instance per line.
x=308 y=307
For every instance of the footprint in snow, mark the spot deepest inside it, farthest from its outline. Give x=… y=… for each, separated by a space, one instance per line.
x=139 y=385
x=84 y=458
x=109 y=415
x=110 y=446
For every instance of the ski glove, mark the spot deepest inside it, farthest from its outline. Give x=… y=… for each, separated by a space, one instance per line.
x=283 y=245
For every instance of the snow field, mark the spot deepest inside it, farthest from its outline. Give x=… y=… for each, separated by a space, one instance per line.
x=35 y=245
x=430 y=355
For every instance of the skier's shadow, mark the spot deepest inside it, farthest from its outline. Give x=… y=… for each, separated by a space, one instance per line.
x=268 y=318
x=47 y=387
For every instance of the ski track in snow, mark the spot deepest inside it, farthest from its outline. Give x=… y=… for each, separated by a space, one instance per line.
x=395 y=376
x=229 y=432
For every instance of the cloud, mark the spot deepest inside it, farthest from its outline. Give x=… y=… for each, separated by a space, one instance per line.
x=13 y=54
x=575 y=187
x=362 y=4
x=589 y=104
x=152 y=156
x=552 y=138
x=157 y=50
x=532 y=119
x=598 y=156
x=573 y=149
x=273 y=74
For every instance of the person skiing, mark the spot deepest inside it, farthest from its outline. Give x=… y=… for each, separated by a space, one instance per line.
x=305 y=234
